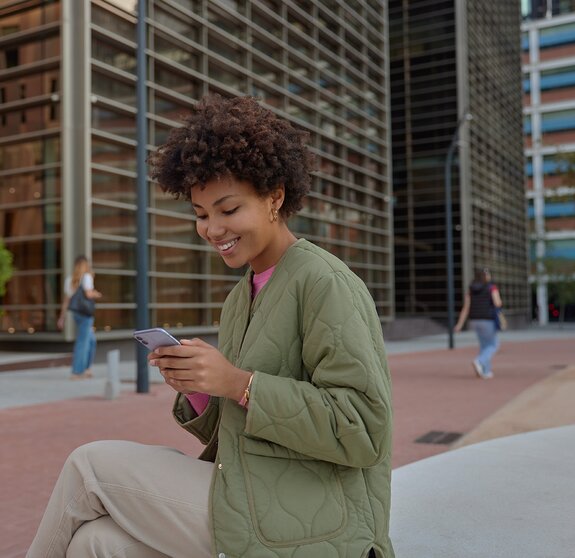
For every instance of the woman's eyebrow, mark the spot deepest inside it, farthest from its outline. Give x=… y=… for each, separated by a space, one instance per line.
x=217 y=202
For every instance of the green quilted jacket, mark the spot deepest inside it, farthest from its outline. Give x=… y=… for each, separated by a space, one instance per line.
x=304 y=472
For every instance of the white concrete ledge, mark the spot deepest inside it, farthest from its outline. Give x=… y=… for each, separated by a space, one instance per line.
x=511 y=497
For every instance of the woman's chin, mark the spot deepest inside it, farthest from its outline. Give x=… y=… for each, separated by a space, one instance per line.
x=233 y=263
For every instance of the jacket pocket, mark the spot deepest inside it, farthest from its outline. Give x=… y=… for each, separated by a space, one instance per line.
x=292 y=501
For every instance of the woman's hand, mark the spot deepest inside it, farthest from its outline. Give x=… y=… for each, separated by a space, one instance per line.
x=197 y=366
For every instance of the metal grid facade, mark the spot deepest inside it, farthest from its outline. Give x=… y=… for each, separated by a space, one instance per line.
x=321 y=64
x=447 y=58
x=498 y=208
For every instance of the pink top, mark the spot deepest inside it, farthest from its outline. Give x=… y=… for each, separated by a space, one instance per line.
x=199 y=401
x=260 y=279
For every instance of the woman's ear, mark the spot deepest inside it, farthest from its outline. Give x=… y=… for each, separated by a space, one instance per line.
x=278 y=196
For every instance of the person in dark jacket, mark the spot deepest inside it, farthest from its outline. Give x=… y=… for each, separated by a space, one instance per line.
x=481 y=300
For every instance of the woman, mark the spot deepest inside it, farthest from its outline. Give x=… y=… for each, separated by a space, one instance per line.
x=480 y=304
x=85 y=342
x=294 y=408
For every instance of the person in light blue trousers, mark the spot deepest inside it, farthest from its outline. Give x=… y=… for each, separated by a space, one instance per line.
x=85 y=342
x=480 y=305
x=84 y=346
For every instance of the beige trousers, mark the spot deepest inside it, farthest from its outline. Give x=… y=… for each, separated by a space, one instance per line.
x=117 y=499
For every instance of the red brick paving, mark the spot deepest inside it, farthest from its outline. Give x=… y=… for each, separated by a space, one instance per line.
x=37 y=439
x=435 y=390
x=439 y=391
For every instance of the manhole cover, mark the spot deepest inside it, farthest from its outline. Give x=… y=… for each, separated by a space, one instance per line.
x=439 y=437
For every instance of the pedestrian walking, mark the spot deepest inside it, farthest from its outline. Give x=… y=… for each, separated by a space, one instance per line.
x=79 y=297
x=294 y=406
x=481 y=304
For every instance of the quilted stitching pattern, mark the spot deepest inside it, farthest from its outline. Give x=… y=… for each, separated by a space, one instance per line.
x=306 y=472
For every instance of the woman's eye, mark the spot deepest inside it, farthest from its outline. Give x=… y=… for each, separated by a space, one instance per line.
x=200 y=217
x=230 y=211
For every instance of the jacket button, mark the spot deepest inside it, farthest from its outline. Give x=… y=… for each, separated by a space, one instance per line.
x=220 y=466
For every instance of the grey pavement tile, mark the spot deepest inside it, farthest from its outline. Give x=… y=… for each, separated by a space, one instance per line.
x=32 y=387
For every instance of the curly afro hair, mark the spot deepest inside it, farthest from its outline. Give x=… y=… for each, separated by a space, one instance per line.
x=235 y=136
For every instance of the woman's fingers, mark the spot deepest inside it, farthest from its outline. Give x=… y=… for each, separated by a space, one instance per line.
x=181 y=386
x=194 y=366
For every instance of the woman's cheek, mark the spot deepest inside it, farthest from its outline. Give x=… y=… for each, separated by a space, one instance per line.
x=201 y=228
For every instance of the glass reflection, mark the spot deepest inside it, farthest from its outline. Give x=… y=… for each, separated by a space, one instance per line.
x=166 y=202
x=114 y=23
x=176 y=23
x=113 y=154
x=176 y=81
x=114 y=88
x=25 y=222
x=109 y=319
x=113 y=254
x=32 y=298
x=171 y=229
x=29 y=154
x=29 y=186
x=178 y=260
x=28 y=53
x=168 y=108
x=114 y=122
x=113 y=187
x=113 y=220
x=112 y=55
x=116 y=289
x=179 y=291
x=29 y=19
x=178 y=52
x=180 y=317
x=219 y=289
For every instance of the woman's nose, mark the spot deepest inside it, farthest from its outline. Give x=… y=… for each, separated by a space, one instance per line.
x=215 y=229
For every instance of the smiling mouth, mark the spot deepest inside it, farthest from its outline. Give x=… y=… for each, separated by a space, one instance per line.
x=227 y=246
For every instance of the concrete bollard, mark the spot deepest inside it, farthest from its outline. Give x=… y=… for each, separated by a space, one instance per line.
x=112 y=389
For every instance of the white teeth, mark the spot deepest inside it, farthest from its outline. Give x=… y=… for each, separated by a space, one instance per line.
x=227 y=245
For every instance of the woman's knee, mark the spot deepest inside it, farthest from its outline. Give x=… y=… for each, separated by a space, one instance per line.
x=94 y=453
x=89 y=448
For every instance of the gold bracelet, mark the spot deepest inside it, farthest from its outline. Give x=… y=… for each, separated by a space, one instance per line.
x=246 y=396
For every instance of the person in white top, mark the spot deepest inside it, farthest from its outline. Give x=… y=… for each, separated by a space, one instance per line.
x=85 y=342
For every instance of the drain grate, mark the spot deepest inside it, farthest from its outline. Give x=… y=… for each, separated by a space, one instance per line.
x=439 y=437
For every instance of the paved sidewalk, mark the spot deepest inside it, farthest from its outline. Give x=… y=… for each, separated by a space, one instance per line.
x=44 y=415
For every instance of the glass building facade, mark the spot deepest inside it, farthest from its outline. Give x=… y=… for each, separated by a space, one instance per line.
x=448 y=59
x=68 y=136
x=548 y=52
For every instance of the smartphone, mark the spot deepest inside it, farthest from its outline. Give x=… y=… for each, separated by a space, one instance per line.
x=154 y=338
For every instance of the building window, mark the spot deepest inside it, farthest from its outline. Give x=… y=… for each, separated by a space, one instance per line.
x=555 y=36
x=554 y=79
x=557 y=121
